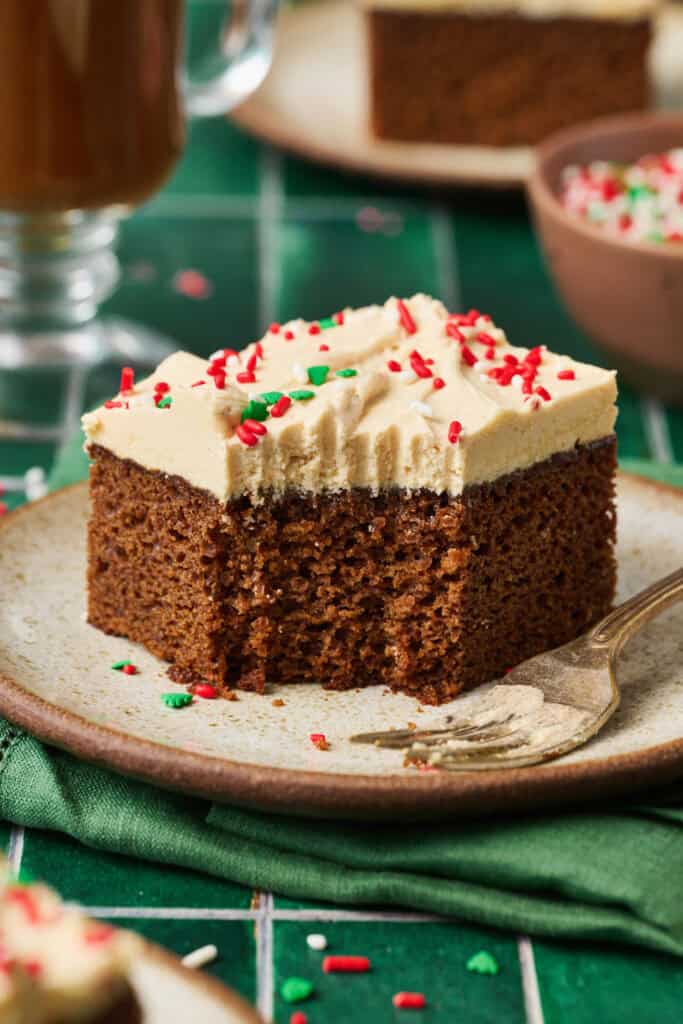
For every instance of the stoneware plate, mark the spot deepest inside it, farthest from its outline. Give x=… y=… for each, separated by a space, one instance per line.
x=314 y=102
x=169 y=993
x=56 y=681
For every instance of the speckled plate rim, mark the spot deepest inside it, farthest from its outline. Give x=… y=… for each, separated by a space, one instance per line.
x=222 y=995
x=338 y=795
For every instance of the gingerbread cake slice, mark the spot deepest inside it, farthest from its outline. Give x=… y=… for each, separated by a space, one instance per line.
x=57 y=966
x=394 y=495
x=503 y=72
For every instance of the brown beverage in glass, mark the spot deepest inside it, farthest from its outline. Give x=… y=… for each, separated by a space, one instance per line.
x=90 y=114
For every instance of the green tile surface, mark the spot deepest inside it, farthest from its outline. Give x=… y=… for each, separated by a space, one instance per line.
x=276 y=237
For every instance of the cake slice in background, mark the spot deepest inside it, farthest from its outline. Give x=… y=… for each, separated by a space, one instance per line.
x=503 y=72
x=394 y=495
x=59 y=967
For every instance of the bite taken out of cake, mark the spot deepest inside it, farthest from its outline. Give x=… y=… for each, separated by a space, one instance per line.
x=394 y=495
x=58 y=966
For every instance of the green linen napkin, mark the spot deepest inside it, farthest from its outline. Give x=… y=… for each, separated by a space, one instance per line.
x=612 y=873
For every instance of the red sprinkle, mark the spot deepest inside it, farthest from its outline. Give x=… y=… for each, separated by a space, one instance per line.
x=130 y=670
x=113 y=405
x=409 y=1001
x=490 y=353
x=219 y=379
x=439 y=383
x=255 y=427
x=405 y=318
x=314 y=329
x=453 y=331
x=217 y=366
x=454 y=431
x=468 y=355
x=4 y=509
x=323 y=348
x=298 y=1017
x=347 y=964
x=252 y=362
x=289 y=335
x=127 y=380
x=485 y=338
x=197 y=383
x=566 y=375
x=274 y=328
x=33 y=967
x=23 y=898
x=205 y=690
x=98 y=934
x=161 y=387
x=338 y=318
x=281 y=406
x=246 y=377
x=394 y=366
x=419 y=367
x=543 y=393
x=319 y=740
x=246 y=436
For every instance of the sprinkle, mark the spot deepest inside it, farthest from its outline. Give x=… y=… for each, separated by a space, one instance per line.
x=4 y=508
x=486 y=339
x=317 y=374
x=246 y=377
x=301 y=395
x=289 y=335
x=165 y=402
x=439 y=383
x=316 y=942
x=252 y=362
x=246 y=435
x=200 y=957
x=327 y=323
x=33 y=968
x=97 y=934
x=468 y=355
x=405 y=319
x=323 y=348
x=409 y=1001
x=113 y=405
x=453 y=331
x=454 y=431
x=346 y=964
x=24 y=899
x=490 y=353
x=176 y=700
x=298 y=1017
x=543 y=393
x=566 y=375
x=274 y=328
x=422 y=408
x=218 y=357
x=118 y=665
x=295 y=990
x=233 y=360
x=197 y=383
x=299 y=373
x=161 y=387
x=255 y=427
x=394 y=366
x=192 y=284
x=338 y=318
x=205 y=690
x=483 y=963
x=418 y=366
x=319 y=740
x=270 y=397
x=346 y=373
x=219 y=381
x=255 y=410
x=281 y=406
x=314 y=329
x=127 y=380
x=130 y=670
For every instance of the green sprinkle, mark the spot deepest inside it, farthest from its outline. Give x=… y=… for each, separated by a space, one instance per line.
x=118 y=665
x=176 y=700
x=295 y=990
x=327 y=323
x=346 y=373
x=165 y=402
x=654 y=236
x=301 y=395
x=255 y=411
x=271 y=397
x=317 y=374
x=636 y=192
x=483 y=963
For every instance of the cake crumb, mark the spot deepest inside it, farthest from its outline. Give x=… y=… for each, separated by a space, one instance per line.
x=278 y=703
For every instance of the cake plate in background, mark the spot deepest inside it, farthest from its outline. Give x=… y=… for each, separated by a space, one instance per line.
x=314 y=103
x=56 y=681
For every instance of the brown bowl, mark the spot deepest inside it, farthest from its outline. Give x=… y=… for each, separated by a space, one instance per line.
x=628 y=297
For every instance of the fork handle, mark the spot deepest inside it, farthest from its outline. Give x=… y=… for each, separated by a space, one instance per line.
x=616 y=628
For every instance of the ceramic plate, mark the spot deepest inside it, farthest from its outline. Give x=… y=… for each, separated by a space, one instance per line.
x=56 y=680
x=314 y=102
x=169 y=993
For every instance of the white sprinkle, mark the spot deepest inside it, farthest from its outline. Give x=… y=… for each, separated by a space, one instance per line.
x=34 y=475
x=422 y=408
x=200 y=957
x=317 y=942
x=140 y=400
x=299 y=373
x=407 y=376
x=517 y=382
x=218 y=354
x=233 y=361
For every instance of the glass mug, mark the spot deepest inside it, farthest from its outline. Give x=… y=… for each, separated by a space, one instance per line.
x=93 y=113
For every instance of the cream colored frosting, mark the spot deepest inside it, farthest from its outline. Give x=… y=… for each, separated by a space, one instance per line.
x=56 y=964
x=619 y=10
x=378 y=429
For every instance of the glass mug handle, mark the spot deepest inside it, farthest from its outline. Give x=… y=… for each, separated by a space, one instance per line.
x=220 y=82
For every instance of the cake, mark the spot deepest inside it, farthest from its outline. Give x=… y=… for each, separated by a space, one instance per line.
x=59 y=967
x=503 y=72
x=393 y=495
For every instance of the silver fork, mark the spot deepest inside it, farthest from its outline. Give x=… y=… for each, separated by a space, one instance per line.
x=546 y=706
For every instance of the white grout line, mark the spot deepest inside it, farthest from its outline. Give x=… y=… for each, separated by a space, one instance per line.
x=270 y=211
x=443 y=240
x=15 y=850
x=657 y=430
x=207 y=914
x=171 y=913
x=12 y=483
x=354 y=915
x=264 y=958
x=532 y=995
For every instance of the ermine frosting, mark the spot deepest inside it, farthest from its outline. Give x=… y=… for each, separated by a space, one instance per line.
x=56 y=964
x=403 y=395
x=618 y=10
